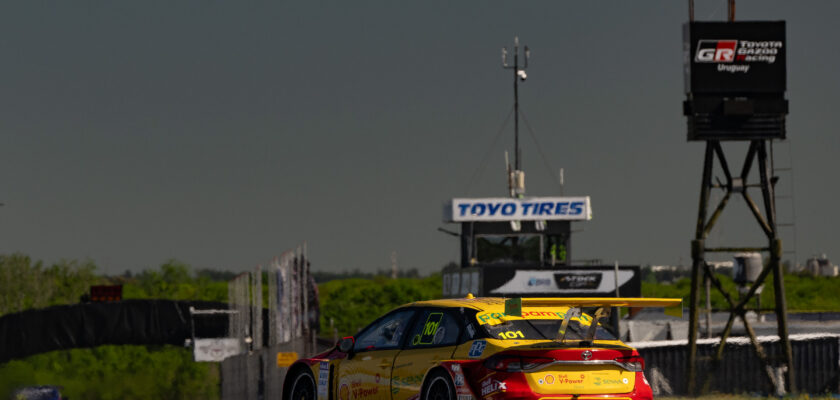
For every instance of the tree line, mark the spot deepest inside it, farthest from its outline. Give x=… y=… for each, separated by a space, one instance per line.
x=107 y=372
x=348 y=300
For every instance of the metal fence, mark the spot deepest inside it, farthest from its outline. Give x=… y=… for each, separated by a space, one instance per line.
x=275 y=331
x=238 y=301
x=816 y=359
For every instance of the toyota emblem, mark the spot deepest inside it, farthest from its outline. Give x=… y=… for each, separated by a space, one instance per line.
x=586 y=355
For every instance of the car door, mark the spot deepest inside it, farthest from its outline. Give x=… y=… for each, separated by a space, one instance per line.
x=431 y=339
x=367 y=374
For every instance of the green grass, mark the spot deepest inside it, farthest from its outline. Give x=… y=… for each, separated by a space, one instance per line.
x=803 y=293
x=115 y=372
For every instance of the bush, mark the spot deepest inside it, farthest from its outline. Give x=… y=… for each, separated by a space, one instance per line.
x=354 y=303
x=803 y=292
x=115 y=372
x=107 y=372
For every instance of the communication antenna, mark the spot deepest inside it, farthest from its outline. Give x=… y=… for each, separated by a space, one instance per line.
x=517 y=176
x=562 y=179
x=509 y=174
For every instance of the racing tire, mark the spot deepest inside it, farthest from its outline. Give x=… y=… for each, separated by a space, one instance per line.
x=438 y=386
x=303 y=387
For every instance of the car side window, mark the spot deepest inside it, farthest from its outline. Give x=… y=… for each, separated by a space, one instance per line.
x=433 y=328
x=384 y=334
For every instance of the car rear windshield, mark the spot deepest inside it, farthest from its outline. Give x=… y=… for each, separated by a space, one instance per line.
x=542 y=329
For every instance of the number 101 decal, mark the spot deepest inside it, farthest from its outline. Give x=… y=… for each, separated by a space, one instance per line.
x=511 y=335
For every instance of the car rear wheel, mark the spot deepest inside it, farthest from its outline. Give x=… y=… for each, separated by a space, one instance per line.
x=303 y=387
x=439 y=387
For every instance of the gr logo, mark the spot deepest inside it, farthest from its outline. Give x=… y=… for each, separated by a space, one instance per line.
x=715 y=51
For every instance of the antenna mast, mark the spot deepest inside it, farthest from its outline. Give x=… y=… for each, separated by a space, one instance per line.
x=516 y=177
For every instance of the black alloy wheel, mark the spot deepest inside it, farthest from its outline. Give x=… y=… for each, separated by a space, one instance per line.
x=303 y=387
x=439 y=387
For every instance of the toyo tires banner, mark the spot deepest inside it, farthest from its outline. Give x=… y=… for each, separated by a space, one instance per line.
x=527 y=209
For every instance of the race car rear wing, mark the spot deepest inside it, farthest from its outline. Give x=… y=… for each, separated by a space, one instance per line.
x=673 y=304
x=603 y=304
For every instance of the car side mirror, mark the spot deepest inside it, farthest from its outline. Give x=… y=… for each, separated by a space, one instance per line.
x=345 y=345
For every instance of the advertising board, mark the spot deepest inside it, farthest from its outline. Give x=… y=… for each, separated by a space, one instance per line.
x=573 y=281
x=216 y=349
x=735 y=57
x=570 y=281
x=527 y=209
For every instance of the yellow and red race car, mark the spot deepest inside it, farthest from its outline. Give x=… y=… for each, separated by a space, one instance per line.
x=471 y=349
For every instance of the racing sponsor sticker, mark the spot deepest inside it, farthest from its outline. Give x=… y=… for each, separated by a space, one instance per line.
x=491 y=386
x=459 y=380
x=430 y=330
x=495 y=317
x=607 y=381
x=570 y=379
x=477 y=348
x=360 y=390
x=344 y=392
x=323 y=378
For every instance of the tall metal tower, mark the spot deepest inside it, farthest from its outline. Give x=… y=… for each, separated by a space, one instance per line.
x=735 y=93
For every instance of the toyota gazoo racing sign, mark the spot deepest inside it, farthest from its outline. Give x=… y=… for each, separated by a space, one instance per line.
x=527 y=209
x=726 y=53
x=735 y=57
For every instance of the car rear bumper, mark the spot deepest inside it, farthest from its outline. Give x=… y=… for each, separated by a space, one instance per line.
x=513 y=386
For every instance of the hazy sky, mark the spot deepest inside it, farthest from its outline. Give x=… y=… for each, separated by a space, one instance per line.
x=221 y=133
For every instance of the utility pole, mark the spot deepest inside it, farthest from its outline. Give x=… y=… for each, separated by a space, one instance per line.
x=517 y=176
